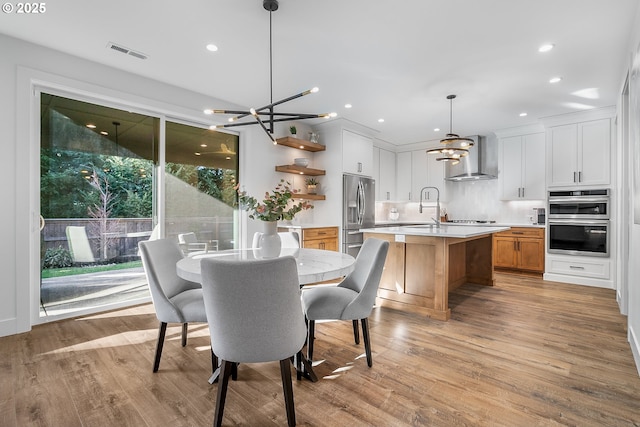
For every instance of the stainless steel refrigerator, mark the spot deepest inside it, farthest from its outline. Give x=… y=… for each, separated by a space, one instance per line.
x=358 y=210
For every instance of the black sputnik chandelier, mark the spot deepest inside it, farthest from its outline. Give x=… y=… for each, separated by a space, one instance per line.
x=266 y=116
x=454 y=146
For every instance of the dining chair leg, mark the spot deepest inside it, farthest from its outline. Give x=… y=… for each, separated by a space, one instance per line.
x=161 y=333
x=310 y=337
x=214 y=361
x=184 y=334
x=223 y=383
x=287 y=386
x=356 y=333
x=367 y=340
x=234 y=371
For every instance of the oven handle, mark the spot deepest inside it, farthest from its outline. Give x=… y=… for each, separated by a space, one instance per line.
x=577 y=222
x=579 y=199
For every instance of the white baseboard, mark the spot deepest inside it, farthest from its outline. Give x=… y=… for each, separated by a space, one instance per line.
x=8 y=327
x=586 y=281
x=635 y=347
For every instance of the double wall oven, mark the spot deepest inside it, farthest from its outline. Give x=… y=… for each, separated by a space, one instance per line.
x=579 y=222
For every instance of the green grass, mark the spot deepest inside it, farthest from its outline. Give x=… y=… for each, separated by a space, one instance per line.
x=71 y=271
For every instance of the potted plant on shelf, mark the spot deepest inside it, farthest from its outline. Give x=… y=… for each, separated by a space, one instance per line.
x=312 y=185
x=293 y=131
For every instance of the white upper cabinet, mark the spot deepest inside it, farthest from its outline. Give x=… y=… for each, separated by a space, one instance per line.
x=579 y=154
x=403 y=176
x=427 y=172
x=386 y=182
x=415 y=170
x=357 y=153
x=522 y=167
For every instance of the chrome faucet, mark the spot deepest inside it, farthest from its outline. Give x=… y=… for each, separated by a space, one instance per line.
x=437 y=218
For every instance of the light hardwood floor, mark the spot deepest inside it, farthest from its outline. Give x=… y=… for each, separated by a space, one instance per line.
x=523 y=353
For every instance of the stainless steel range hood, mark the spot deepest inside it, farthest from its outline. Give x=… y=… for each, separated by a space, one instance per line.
x=481 y=163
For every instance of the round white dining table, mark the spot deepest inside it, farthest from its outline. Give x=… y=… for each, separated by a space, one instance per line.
x=314 y=265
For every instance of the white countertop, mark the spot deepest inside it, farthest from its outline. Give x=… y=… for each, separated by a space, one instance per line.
x=487 y=224
x=445 y=230
x=305 y=226
x=314 y=265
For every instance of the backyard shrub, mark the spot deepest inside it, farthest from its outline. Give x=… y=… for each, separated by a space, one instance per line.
x=57 y=258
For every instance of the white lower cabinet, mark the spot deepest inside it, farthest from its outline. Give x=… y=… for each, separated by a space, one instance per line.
x=583 y=270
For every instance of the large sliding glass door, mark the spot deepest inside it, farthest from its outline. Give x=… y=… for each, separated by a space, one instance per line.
x=101 y=171
x=201 y=172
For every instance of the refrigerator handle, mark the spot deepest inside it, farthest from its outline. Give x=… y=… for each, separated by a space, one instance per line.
x=361 y=202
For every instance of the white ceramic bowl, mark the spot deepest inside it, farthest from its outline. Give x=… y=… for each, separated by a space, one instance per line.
x=301 y=161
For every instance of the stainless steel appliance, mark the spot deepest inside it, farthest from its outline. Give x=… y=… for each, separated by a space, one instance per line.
x=579 y=204
x=579 y=222
x=539 y=216
x=358 y=211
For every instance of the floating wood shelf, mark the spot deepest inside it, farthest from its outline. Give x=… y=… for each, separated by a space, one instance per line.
x=299 y=170
x=300 y=144
x=309 y=196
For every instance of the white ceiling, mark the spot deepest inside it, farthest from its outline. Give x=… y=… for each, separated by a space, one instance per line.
x=393 y=60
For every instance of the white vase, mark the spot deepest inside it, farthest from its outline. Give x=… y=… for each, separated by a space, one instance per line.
x=269 y=242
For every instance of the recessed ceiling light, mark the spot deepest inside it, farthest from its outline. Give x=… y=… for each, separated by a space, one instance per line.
x=203 y=145
x=546 y=47
x=555 y=79
x=196 y=153
x=347 y=105
x=91 y=126
x=436 y=130
x=380 y=120
x=208 y=111
x=105 y=133
x=212 y=47
x=523 y=114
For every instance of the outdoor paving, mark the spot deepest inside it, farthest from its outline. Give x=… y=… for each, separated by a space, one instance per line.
x=78 y=292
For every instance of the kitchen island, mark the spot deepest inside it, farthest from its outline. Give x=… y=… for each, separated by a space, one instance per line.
x=425 y=262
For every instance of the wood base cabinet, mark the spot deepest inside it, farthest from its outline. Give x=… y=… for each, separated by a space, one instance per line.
x=320 y=238
x=521 y=249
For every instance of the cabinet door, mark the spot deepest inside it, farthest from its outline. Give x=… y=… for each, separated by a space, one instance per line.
x=357 y=154
x=403 y=176
x=562 y=148
x=594 y=152
x=376 y=171
x=392 y=278
x=435 y=176
x=419 y=173
x=504 y=252
x=533 y=184
x=531 y=254
x=387 y=182
x=511 y=170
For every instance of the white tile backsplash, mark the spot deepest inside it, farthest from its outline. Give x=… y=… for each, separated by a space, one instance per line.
x=479 y=200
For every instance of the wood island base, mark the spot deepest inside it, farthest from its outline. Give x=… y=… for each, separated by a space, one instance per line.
x=421 y=270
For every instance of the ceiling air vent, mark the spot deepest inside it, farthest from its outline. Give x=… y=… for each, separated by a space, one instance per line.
x=126 y=51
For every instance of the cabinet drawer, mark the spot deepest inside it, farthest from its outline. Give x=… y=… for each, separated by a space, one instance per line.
x=319 y=233
x=522 y=232
x=598 y=269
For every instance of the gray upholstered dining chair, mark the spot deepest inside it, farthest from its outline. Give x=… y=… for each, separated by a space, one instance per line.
x=175 y=300
x=254 y=313
x=352 y=299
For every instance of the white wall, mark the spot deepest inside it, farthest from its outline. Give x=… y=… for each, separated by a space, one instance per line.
x=634 y=255
x=23 y=63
